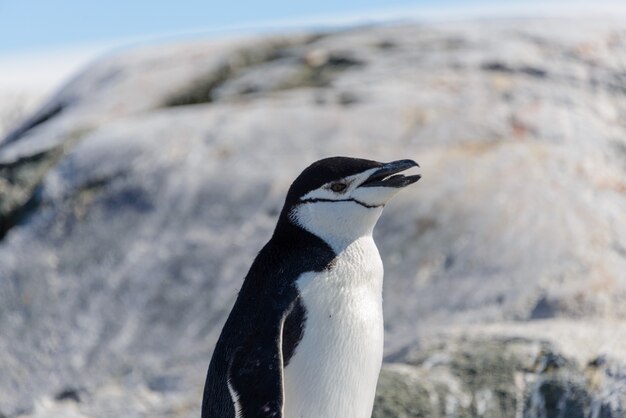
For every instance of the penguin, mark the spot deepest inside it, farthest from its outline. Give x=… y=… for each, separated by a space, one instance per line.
x=304 y=338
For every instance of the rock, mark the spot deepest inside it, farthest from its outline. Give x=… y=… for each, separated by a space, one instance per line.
x=499 y=378
x=68 y=394
x=133 y=202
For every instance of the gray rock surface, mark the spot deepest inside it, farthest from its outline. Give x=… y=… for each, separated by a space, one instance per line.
x=133 y=202
x=498 y=378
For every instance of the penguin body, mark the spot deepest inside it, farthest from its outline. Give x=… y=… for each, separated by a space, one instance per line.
x=305 y=336
x=342 y=345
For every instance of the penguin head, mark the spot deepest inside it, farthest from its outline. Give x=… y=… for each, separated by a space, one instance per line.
x=341 y=198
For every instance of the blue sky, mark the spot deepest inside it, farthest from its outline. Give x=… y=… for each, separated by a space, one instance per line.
x=44 y=24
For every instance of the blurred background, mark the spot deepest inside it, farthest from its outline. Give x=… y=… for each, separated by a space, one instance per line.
x=146 y=149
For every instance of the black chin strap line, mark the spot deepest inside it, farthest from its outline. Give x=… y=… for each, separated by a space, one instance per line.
x=365 y=205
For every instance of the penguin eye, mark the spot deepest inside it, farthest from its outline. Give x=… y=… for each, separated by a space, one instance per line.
x=338 y=187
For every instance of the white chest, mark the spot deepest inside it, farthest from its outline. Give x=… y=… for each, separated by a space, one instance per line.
x=334 y=370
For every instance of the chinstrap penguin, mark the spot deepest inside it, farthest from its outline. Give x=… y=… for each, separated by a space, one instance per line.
x=305 y=336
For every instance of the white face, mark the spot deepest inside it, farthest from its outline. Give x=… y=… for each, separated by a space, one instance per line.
x=340 y=211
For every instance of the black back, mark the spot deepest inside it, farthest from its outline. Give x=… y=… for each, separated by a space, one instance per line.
x=248 y=353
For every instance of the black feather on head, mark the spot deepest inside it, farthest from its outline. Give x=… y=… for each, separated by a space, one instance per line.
x=324 y=171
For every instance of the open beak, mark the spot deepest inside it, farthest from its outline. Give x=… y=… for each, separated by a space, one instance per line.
x=386 y=176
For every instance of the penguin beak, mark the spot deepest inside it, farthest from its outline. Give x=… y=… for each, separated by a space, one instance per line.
x=386 y=176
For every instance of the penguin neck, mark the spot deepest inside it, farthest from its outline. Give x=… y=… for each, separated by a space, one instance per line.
x=337 y=224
